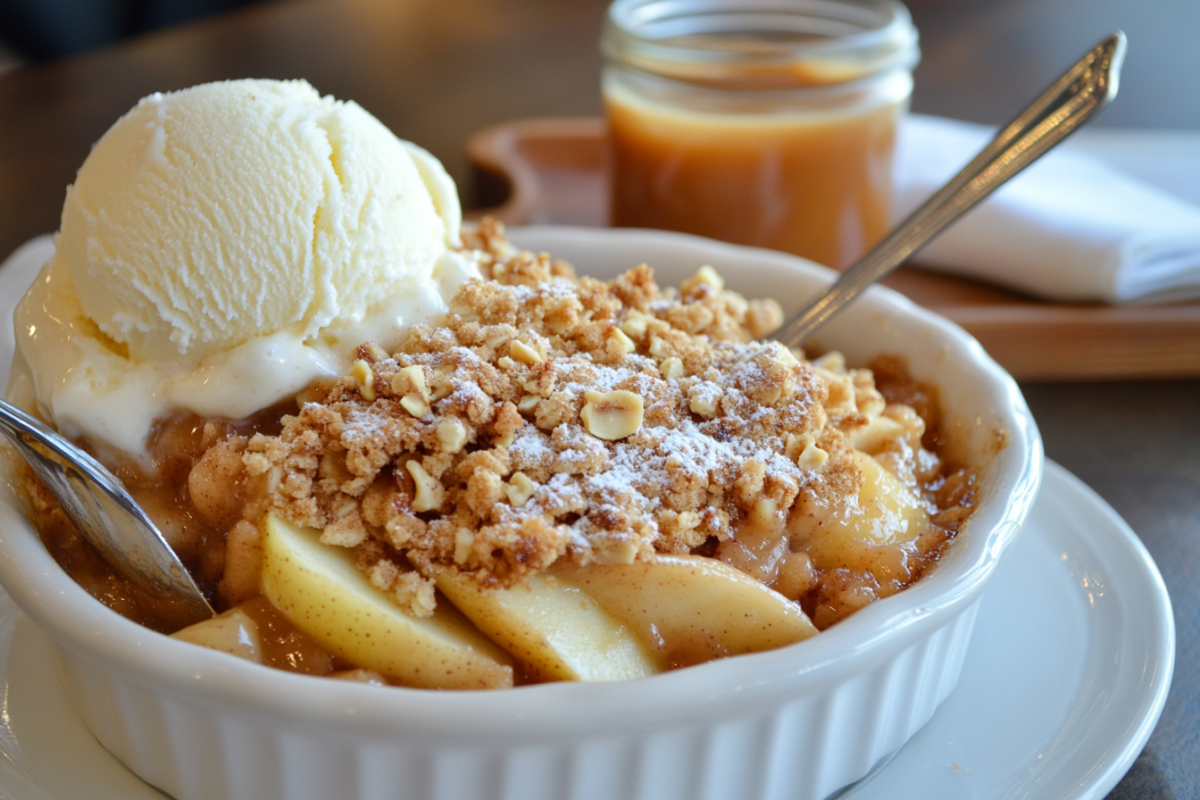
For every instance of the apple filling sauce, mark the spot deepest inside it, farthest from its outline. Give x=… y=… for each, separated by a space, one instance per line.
x=568 y=479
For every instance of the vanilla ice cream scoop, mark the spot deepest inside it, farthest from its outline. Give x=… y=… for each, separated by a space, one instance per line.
x=209 y=216
x=222 y=247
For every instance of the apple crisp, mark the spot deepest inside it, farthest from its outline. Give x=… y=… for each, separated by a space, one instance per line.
x=552 y=424
x=559 y=417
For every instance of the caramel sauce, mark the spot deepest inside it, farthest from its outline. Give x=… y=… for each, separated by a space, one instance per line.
x=814 y=184
x=284 y=646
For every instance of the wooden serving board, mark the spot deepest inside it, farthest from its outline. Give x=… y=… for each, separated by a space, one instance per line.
x=551 y=171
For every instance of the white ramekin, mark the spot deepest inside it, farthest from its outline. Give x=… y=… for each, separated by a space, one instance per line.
x=799 y=722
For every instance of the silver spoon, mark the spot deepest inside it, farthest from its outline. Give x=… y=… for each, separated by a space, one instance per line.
x=1071 y=101
x=104 y=512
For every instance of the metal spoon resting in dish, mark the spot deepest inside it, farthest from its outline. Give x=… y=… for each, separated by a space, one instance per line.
x=125 y=537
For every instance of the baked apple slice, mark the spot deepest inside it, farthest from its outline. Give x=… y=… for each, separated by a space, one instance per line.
x=324 y=594
x=551 y=626
x=691 y=609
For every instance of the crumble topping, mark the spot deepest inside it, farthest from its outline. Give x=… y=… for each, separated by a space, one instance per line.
x=553 y=416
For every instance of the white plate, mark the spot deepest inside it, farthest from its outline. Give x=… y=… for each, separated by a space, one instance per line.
x=1065 y=679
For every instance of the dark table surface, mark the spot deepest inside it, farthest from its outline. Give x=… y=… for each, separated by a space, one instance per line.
x=437 y=70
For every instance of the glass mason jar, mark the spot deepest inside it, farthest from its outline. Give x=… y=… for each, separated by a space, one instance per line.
x=761 y=122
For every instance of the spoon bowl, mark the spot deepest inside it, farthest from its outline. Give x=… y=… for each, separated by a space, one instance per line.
x=105 y=513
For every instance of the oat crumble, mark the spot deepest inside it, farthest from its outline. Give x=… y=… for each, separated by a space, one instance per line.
x=561 y=417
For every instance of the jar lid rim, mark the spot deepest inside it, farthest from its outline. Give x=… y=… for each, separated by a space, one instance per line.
x=697 y=39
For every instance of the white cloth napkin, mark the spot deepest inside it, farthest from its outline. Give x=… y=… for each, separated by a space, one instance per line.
x=1077 y=225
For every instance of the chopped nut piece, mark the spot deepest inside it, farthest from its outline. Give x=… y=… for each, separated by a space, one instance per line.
x=625 y=342
x=411 y=381
x=429 y=491
x=785 y=358
x=634 y=324
x=528 y=404
x=274 y=478
x=703 y=399
x=671 y=368
x=795 y=445
x=365 y=378
x=452 y=435
x=804 y=451
x=519 y=489
x=612 y=415
x=812 y=458
x=464 y=540
x=414 y=405
x=704 y=275
x=523 y=352
x=409 y=384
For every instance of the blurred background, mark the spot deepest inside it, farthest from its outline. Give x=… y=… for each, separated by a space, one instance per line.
x=1011 y=47
x=974 y=35
x=1164 y=56
x=41 y=30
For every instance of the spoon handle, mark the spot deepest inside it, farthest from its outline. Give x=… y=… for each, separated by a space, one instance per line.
x=1071 y=101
